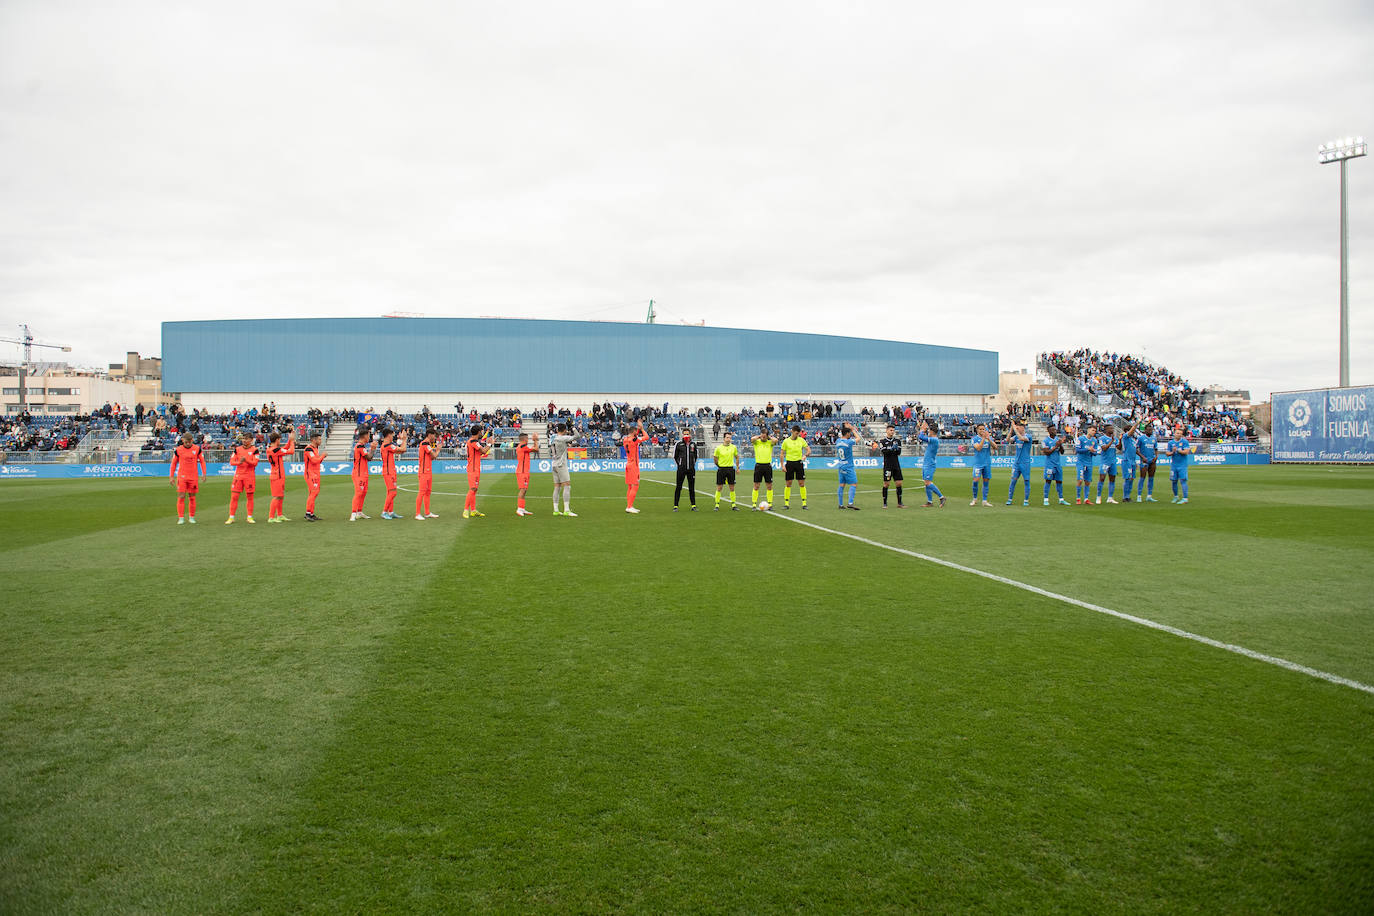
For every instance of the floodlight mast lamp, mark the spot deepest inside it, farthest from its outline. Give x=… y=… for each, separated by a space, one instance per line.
x=1341 y=151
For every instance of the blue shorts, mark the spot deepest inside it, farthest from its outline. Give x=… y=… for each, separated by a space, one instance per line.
x=1108 y=468
x=1178 y=473
x=1020 y=470
x=1054 y=474
x=848 y=478
x=982 y=473
x=928 y=471
x=1085 y=471
x=1128 y=468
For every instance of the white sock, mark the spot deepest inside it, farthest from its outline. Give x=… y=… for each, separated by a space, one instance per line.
x=567 y=498
x=557 y=491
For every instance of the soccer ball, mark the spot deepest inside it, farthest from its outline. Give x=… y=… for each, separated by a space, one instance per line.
x=763 y=506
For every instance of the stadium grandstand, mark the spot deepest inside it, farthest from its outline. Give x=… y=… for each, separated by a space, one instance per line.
x=514 y=376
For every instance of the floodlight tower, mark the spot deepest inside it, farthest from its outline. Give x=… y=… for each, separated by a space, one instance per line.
x=1342 y=151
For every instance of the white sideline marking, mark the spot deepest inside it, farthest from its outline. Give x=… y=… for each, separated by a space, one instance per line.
x=1096 y=608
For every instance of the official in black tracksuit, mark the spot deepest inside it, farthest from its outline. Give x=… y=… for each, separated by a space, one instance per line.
x=685 y=454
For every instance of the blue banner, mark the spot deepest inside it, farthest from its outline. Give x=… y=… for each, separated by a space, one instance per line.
x=580 y=465
x=1324 y=425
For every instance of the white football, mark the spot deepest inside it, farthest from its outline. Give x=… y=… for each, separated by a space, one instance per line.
x=763 y=506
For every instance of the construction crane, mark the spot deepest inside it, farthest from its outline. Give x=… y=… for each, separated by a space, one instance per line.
x=27 y=341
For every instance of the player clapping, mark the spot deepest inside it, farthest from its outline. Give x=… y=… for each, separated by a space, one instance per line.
x=245 y=462
x=429 y=450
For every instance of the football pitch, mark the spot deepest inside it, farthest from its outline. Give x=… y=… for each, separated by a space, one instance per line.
x=682 y=712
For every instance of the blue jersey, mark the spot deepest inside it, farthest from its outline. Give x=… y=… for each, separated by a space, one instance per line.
x=982 y=458
x=1023 y=450
x=1052 y=460
x=1128 y=448
x=1108 y=446
x=1086 y=447
x=844 y=450
x=932 y=444
x=1147 y=448
x=1176 y=453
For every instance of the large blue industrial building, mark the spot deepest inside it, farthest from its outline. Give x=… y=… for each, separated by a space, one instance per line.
x=487 y=362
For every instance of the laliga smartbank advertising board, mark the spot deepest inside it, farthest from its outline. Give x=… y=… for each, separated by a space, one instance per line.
x=1324 y=424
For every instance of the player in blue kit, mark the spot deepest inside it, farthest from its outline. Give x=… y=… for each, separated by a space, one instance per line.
x=1085 y=446
x=1053 y=449
x=1128 y=462
x=1021 y=462
x=844 y=450
x=931 y=443
x=1148 y=448
x=982 y=463
x=1178 y=450
x=1107 y=444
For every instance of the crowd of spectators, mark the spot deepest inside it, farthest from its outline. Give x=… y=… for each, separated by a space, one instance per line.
x=1153 y=395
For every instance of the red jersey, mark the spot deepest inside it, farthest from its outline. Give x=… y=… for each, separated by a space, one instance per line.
x=246 y=462
x=361 y=456
x=185 y=460
x=522 y=459
x=427 y=453
x=313 y=459
x=475 y=456
x=389 y=453
x=632 y=443
x=276 y=457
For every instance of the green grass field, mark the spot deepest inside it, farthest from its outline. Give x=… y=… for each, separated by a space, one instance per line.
x=687 y=712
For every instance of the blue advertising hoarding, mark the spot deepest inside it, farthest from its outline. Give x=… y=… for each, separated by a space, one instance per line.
x=1328 y=425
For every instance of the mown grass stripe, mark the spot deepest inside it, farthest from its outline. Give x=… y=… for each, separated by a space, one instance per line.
x=1098 y=609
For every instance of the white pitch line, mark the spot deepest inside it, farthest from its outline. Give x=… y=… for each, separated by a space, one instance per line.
x=1096 y=608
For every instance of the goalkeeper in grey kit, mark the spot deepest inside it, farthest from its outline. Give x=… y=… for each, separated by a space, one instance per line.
x=562 y=480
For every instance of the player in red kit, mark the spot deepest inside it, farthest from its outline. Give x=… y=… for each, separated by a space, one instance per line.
x=429 y=450
x=632 y=442
x=362 y=454
x=314 y=457
x=477 y=450
x=390 y=450
x=525 y=448
x=245 y=462
x=188 y=466
x=276 y=458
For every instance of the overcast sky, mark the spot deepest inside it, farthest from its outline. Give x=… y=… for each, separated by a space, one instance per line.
x=1007 y=176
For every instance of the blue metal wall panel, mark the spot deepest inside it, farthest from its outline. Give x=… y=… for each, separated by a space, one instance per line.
x=498 y=354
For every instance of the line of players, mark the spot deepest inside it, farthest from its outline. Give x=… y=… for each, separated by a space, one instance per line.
x=1139 y=452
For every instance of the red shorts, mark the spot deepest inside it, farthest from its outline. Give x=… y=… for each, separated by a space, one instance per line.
x=390 y=482
x=426 y=483
x=278 y=487
x=631 y=473
x=474 y=480
x=188 y=485
x=312 y=484
x=243 y=485
x=522 y=481
x=360 y=483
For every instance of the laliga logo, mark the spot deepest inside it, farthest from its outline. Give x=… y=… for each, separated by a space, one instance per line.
x=1299 y=413
x=545 y=466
